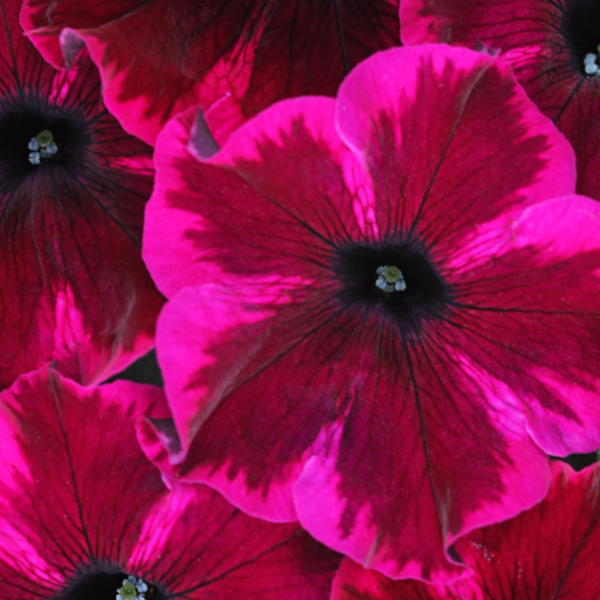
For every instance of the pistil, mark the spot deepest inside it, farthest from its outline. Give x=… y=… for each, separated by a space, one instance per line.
x=41 y=146
x=132 y=589
x=390 y=279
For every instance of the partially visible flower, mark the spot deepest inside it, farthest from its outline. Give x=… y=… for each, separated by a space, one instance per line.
x=83 y=513
x=159 y=57
x=548 y=553
x=553 y=47
x=73 y=187
x=392 y=418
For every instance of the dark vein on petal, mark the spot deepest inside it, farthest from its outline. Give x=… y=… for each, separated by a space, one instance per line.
x=445 y=149
x=341 y=32
x=71 y=469
x=12 y=52
x=422 y=427
x=577 y=550
x=571 y=96
x=241 y=565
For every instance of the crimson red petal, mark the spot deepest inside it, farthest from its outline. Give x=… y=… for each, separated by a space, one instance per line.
x=258 y=52
x=73 y=287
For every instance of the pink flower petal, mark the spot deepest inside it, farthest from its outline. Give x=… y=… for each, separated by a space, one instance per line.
x=256 y=52
x=296 y=386
x=548 y=552
x=80 y=501
x=545 y=43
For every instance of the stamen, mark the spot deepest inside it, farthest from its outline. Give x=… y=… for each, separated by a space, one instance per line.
x=589 y=64
x=43 y=146
x=132 y=589
x=390 y=279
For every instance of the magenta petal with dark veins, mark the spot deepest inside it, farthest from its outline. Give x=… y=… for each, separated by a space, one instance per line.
x=549 y=553
x=390 y=422
x=73 y=287
x=254 y=52
x=546 y=43
x=81 y=508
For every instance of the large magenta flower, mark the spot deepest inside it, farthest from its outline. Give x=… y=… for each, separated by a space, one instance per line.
x=554 y=48
x=82 y=510
x=158 y=57
x=549 y=553
x=73 y=187
x=385 y=321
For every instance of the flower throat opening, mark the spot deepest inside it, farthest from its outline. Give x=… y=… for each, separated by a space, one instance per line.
x=582 y=34
x=396 y=278
x=110 y=586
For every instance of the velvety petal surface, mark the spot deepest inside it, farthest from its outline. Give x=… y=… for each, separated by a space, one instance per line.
x=545 y=43
x=256 y=52
x=78 y=497
x=73 y=287
x=389 y=435
x=548 y=553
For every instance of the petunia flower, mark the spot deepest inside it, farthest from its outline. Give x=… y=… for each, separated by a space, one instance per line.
x=376 y=316
x=159 y=57
x=84 y=514
x=549 y=553
x=73 y=187
x=553 y=47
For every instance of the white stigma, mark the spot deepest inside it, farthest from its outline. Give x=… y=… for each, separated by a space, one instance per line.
x=387 y=284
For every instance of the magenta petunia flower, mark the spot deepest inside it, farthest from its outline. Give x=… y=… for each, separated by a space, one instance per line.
x=553 y=47
x=376 y=320
x=85 y=515
x=160 y=57
x=549 y=553
x=73 y=187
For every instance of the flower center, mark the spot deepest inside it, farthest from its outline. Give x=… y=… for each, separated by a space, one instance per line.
x=42 y=146
x=390 y=279
x=397 y=279
x=582 y=35
x=132 y=589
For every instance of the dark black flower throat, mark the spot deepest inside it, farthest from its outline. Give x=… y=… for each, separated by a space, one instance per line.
x=105 y=584
x=417 y=297
x=581 y=28
x=19 y=124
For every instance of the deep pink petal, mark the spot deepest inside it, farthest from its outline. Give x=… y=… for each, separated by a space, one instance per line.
x=544 y=42
x=306 y=158
x=77 y=495
x=388 y=110
x=256 y=52
x=553 y=299
x=548 y=552
x=73 y=287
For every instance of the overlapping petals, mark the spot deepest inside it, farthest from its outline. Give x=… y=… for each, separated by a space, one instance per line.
x=546 y=43
x=549 y=552
x=158 y=58
x=73 y=287
x=81 y=506
x=391 y=425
